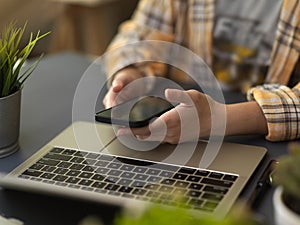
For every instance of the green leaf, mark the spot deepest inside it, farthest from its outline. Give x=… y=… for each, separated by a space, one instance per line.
x=12 y=57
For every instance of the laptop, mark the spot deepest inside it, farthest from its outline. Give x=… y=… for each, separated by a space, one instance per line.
x=87 y=161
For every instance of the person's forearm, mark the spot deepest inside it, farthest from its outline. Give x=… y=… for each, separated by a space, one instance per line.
x=245 y=118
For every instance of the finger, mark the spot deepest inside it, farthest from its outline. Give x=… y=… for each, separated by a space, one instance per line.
x=141 y=131
x=176 y=95
x=157 y=130
x=123 y=131
x=117 y=85
x=109 y=99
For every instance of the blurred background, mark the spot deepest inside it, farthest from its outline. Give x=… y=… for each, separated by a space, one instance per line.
x=83 y=26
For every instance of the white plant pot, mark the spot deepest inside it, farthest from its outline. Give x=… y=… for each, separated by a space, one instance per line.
x=283 y=215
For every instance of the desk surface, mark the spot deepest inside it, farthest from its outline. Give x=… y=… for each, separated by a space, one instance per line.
x=46 y=110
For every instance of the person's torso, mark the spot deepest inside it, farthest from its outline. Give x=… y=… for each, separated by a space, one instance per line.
x=243 y=37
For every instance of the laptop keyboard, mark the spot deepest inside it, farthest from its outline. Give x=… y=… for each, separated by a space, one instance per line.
x=132 y=178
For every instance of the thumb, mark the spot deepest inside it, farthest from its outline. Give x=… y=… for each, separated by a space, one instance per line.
x=176 y=95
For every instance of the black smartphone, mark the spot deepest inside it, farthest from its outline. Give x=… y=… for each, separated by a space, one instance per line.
x=137 y=112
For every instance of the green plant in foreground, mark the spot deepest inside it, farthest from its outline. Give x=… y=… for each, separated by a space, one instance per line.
x=287 y=175
x=13 y=57
x=157 y=214
x=160 y=215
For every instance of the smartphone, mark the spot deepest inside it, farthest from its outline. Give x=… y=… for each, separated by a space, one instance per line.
x=137 y=112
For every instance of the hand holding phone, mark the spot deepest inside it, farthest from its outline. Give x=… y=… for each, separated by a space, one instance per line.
x=137 y=112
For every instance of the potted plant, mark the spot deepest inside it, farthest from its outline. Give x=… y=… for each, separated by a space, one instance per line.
x=286 y=199
x=12 y=78
x=158 y=214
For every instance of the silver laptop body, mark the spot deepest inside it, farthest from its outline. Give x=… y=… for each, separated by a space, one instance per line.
x=129 y=177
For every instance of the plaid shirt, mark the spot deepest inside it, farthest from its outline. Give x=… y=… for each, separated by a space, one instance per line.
x=190 y=24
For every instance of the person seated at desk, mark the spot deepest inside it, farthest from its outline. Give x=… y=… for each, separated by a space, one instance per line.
x=223 y=33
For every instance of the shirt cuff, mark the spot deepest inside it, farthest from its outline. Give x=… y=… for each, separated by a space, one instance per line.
x=280 y=105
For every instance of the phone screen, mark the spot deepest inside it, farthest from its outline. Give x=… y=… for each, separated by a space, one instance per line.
x=137 y=112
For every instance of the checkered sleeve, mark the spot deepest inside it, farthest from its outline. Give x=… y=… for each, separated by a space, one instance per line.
x=152 y=20
x=281 y=107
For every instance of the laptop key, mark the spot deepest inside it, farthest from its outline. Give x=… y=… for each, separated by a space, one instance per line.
x=48 y=169
x=138 y=191
x=89 y=168
x=69 y=152
x=60 y=171
x=194 y=194
x=166 y=174
x=107 y=158
x=194 y=178
x=181 y=184
x=153 y=172
x=64 y=164
x=141 y=177
x=77 y=160
x=216 y=182
x=36 y=166
x=212 y=197
x=98 y=184
x=55 y=156
x=57 y=150
x=127 y=168
x=73 y=180
x=32 y=173
x=85 y=182
x=152 y=186
x=85 y=175
x=92 y=155
x=179 y=191
x=187 y=170
x=138 y=184
x=48 y=162
x=216 y=189
x=73 y=173
x=114 y=165
x=102 y=170
x=81 y=153
x=166 y=189
x=112 y=179
x=202 y=173
x=125 y=182
x=101 y=163
x=76 y=166
x=97 y=177
x=48 y=176
x=216 y=175
x=166 y=167
x=114 y=172
x=230 y=177
x=168 y=181
x=112 y=187
x=180 y=176
x=196 y=202
x=210 y=205
x=126 y=189
x=195 y=186
x=140 y=169
x=127 y=175
x=60 y=178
